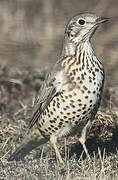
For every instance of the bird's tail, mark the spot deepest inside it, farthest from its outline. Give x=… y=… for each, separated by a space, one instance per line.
x=29 y=143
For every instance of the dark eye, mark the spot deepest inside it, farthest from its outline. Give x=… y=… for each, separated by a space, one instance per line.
x=81 y=22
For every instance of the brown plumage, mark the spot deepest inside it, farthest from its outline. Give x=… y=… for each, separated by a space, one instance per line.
x=70 y=96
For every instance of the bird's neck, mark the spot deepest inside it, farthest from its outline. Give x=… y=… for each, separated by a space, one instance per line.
x=83 y=53
x=68 y=48
x=71 y=48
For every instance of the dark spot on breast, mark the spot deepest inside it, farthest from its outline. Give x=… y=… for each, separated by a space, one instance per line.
x=71 y=74
x=89 y=92
x=53 y=104
x=60 y=123
x=56 y=128
x=53 y=130
x=84 y=112
x=64 y=109
x=85 y=88
x=96 y=69
x=57 y=99
x=72 y=105
x=72 y=101
x=74 y=94
x=52 y=125
x=51 y=112
x=43 y=121
x=63 y=100
x=73 y=118
x=52 y=121
x=74 y=72
x=58 y=105
x=65 y=117
x=66 y=97
x=49 y=115
x=82 y=76
x=39 y=125
x=82 y=91
x=54 y=109
x=86 y=97
x=72 y=78
x=93 y=73
x=61 y=95
x=47 y=110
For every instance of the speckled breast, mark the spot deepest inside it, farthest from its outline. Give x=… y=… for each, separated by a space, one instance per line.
x=75 y=105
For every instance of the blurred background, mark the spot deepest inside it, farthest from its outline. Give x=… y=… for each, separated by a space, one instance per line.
x=31 y=31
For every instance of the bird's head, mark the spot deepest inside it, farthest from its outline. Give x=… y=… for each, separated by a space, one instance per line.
x=82 y=27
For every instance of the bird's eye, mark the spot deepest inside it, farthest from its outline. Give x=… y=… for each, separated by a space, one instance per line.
x=81 y=22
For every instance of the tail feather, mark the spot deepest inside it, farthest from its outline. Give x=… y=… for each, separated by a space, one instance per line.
x=25 y=148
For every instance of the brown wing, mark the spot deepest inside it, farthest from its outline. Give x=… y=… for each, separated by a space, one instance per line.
x=46 y=94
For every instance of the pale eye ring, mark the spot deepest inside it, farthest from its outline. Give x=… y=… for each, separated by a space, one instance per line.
x=81 y=22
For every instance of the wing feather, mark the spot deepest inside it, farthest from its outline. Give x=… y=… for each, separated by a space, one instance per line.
x=48 y=91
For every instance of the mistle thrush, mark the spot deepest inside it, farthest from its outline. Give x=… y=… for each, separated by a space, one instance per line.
x=70 y=95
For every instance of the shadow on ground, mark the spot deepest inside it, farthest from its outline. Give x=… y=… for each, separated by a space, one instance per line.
x=93 y=144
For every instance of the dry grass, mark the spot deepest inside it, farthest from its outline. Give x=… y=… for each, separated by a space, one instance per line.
x=41 y=163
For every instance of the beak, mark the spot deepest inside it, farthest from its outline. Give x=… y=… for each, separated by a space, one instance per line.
x=101 y=20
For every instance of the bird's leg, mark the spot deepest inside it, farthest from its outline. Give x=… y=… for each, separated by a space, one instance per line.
x=84 y=147
x=58 y=153
x=53 y=140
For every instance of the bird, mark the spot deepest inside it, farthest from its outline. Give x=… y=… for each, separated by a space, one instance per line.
x=70 y=95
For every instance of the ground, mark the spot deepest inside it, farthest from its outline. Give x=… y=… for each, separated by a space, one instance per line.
x=30 y=43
